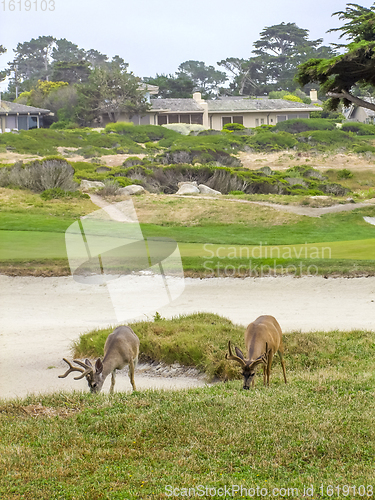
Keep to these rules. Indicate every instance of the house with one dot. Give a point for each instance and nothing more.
(214, 114)
(356, 113)
(14, 116)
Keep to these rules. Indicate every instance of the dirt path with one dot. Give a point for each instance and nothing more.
(41, 317)
(295, 209)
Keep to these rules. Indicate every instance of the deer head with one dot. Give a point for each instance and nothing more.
(248, 366)
(95, 378)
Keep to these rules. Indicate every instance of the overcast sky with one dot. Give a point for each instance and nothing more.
(155, 36)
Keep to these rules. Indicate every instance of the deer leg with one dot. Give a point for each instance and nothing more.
(131, 373)
(283, 365)
(113, 380)
(269, 364)
(264, 375)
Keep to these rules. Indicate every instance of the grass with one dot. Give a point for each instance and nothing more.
(317, 429)
(212, 235)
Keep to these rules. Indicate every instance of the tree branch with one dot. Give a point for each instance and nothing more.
(355, 100)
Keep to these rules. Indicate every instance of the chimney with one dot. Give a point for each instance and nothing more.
(197, 96)
(313, 95)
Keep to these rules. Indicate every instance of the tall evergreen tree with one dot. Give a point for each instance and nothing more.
(342, 77)
(109, 92)
(206, 78)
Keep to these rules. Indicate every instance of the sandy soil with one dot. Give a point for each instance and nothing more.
(276, 161)
(284, 160)
(41, 317)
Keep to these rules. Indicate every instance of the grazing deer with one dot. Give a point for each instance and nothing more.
(263, 338)
(121, 348)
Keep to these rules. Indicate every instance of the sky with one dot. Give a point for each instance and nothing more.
(156, 36)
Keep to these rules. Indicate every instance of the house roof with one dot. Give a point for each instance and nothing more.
(232, 105)
(12, 108)
(348, 112)
(253, 105)
(176, 106)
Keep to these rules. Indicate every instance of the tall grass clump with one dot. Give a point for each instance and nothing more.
(40, 175)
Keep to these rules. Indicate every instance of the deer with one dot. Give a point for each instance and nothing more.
(263, 338)
(121, 348)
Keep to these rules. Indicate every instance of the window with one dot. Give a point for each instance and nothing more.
(238, 119)
(162, 119)
(184, 118)
(232, 119)
(172, 118)
(197, 119)
(257, 122)
(33, 122)
(22, 122)
(262, 121)
(281, 118)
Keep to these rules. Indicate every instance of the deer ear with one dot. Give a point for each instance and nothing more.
(239, 353)
(98, 366)
(88, 362)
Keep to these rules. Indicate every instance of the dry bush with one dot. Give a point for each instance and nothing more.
(40, 175)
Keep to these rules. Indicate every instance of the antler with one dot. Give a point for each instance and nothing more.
(233, 357)
(87, 369)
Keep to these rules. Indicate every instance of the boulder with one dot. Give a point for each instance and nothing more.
(207, 190)
(188, 189)
(132, 189)
(85, 184)
(192, 183)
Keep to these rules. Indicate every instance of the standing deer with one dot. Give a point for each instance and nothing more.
(121, 348)
(263, 338)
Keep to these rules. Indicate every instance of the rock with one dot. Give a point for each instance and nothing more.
(132, 189)
(192, 183)
(350, 200)
(266, 170)
(207, 190)
(188, 189)
(85, 184)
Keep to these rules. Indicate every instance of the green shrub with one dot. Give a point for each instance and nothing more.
(292, 98)
(321, 139)
(364, 148)
(302, 125)
(141, 133)
(271, 141)
(345, 173)
(63, 124)
(236, 193)
(233, 126)
(359, 128)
